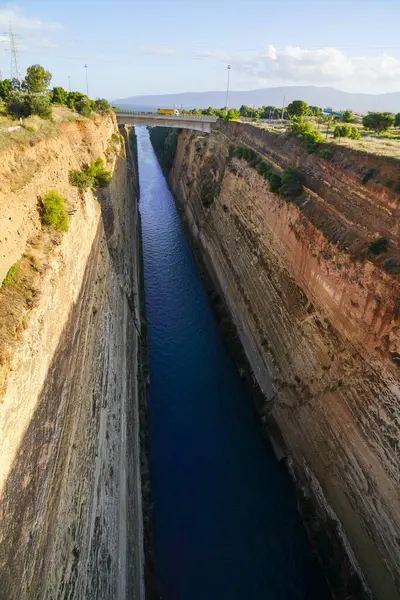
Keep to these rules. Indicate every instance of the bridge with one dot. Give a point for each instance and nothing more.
(128, 117)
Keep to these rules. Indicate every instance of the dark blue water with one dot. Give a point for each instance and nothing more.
(225, 519)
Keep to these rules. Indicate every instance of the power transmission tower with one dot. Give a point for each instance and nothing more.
(14, 66)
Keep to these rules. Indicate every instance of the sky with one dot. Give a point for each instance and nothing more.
(135, 47)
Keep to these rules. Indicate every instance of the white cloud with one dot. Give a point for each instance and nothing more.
(158, 50)
(324, 65)
(14, 15)
(214, 54)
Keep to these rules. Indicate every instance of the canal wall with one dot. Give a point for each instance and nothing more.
(318, 319)
(70, 380)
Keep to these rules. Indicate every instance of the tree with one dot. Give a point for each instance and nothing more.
(208, 111)
(23, 105)
(37, 80)
(397, 120)
(269, 112)
(233, 114)
(59, 95)
(378, 121)
(347, 116)
(5, 89)
(83, 106)
(73, 97)
(297, 108)
(101, 106)
(315, 111)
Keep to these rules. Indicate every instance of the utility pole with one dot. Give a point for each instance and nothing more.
(14, 66)
(227, 89)
(283, 106)
(87, 85)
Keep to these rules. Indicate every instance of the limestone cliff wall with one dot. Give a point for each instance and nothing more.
(70, 485)
(318, 322)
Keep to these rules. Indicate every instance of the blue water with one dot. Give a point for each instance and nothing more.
(225, 519)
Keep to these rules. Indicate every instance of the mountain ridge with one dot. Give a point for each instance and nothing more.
(320, 96)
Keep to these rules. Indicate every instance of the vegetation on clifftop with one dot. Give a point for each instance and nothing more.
(31, 96)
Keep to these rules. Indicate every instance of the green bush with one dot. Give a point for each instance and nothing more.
(309, 136)
(233, 114)
(24, 105)
(397, 186)
(275, 182)
(370, 172)
(83, 107)
(292, 183)
(392, 266)
(98, 171)
(11, 273)
(116, 138)
(53, 212)
(325, 153)
(297, 108)
(346, 131)
(59, 95)
(347, 116)
(379, 245)
(378, 121)
(80, 179)
(93, 174)
(101, 106)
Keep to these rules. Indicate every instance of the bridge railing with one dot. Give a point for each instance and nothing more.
(153, 115)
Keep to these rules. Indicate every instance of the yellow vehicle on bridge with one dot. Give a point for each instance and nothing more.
(168, 111)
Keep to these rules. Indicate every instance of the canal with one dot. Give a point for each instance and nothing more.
(225, 520)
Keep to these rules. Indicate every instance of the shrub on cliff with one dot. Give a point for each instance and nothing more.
(53, 211)
(232, 115)
(275, 182)
(59, 95)
(99, 173)
(392, 266)
(379, 245)
(292, 183)
(83, 107)
(80, 179)
(310, 137)
(93, 174)
(101, 106)
(397, 120)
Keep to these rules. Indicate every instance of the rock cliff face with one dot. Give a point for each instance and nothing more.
(319, 323)
(70, 485)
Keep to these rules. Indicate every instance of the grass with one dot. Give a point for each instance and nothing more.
(12, 271)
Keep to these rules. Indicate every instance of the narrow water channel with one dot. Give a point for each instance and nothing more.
(225, 520)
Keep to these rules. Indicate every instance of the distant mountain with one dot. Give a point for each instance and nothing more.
(319, 96)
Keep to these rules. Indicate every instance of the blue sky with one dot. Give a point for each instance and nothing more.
(136, 47)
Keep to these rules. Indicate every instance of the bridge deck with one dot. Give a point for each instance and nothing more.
(198, 123)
